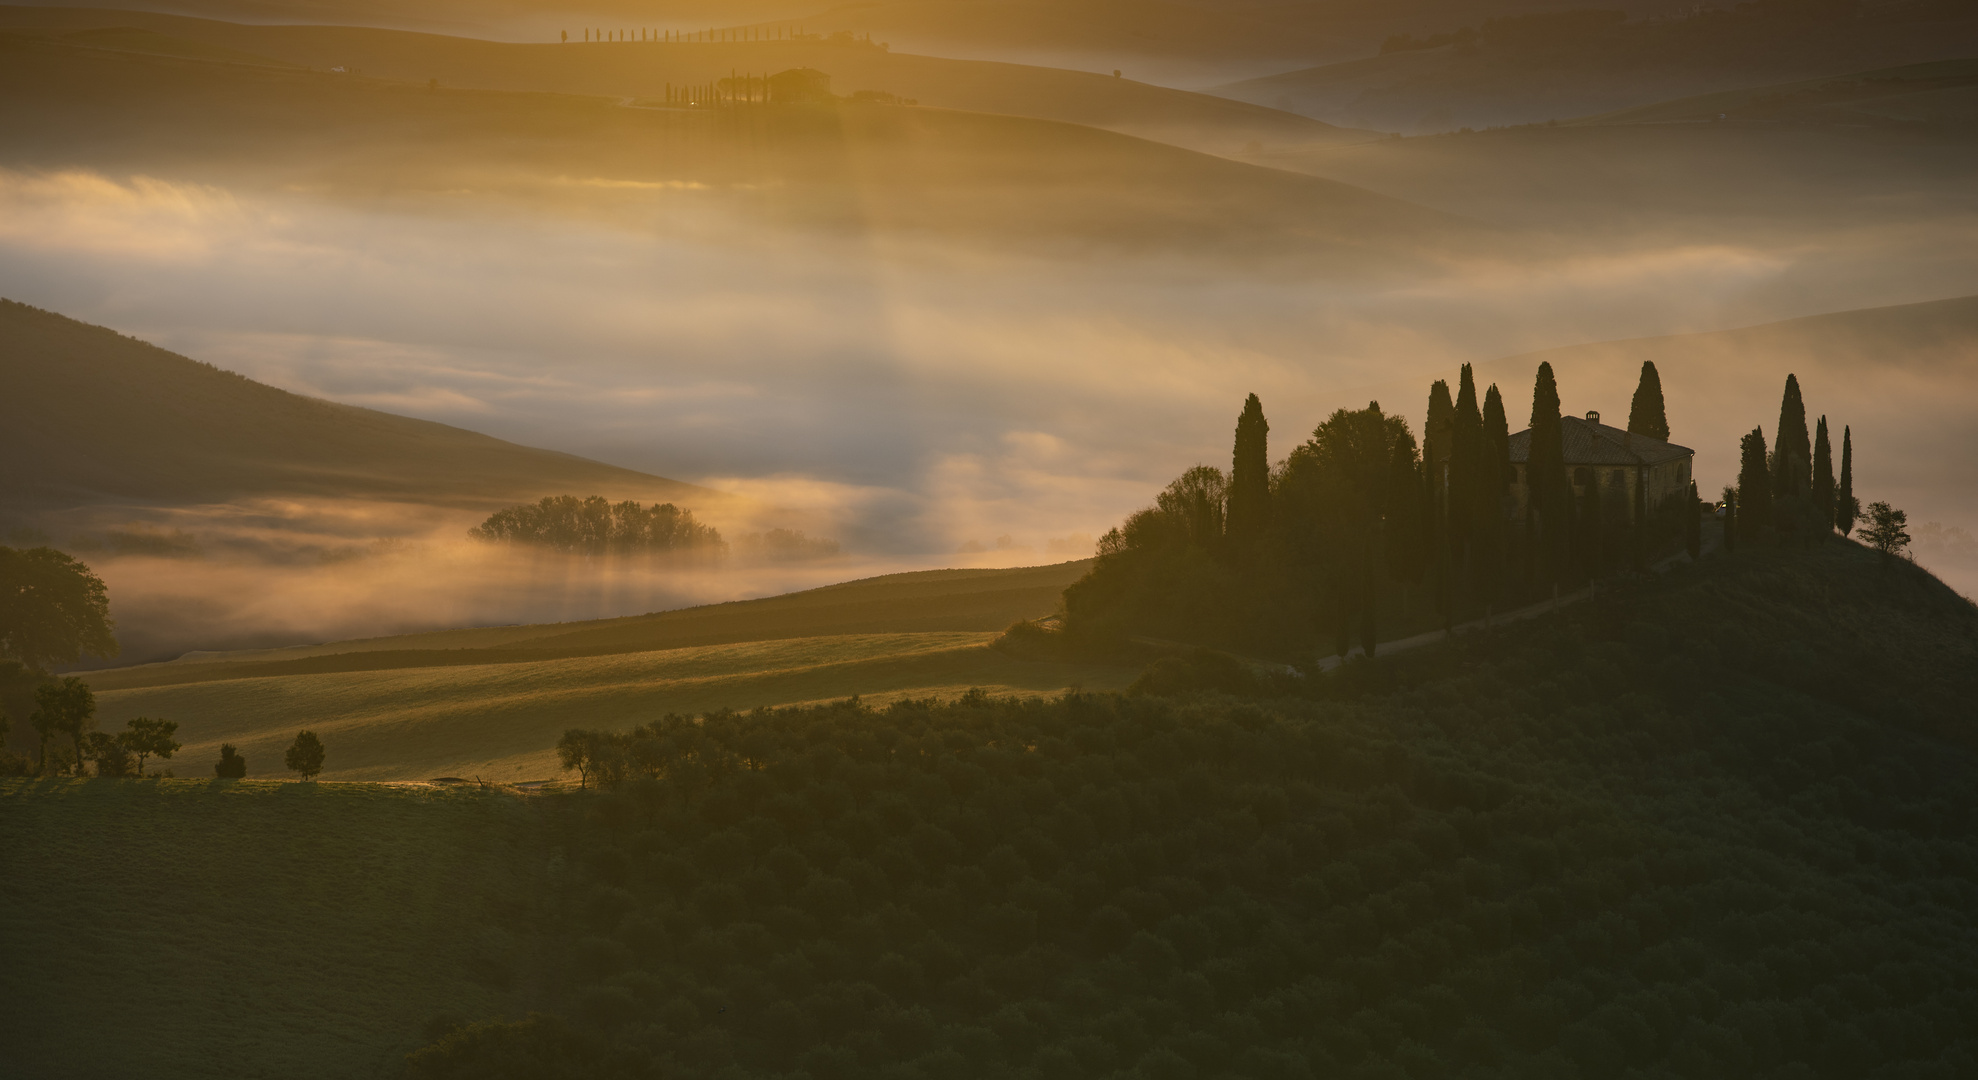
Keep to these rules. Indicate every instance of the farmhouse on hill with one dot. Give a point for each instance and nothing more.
(799, 84)
(1632, 470)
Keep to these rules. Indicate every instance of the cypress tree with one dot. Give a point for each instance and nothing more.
(1436, 434)
(1754, 486)
(1730, 520)
(1792, 451)
(1489, 530)
(1468, 468)
(1846, 509)
(1249, 513)
(1404, 526)
(1549, 513)
(1823, 478)
(1646, 415)
(1693, 525)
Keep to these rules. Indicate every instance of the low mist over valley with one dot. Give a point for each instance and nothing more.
(969, 538)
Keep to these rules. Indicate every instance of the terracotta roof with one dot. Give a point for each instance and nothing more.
(1587, 442)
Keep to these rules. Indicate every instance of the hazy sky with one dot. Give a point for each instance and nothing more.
(917, 399)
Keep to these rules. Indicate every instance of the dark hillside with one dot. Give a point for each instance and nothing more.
(1717, 823)
(92, 415)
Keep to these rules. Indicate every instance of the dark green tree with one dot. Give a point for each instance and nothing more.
(146, 738)
(1469, 469)
(1847, 510)
(1347, 467)
(1823, 479)
(305, 755)
(1646, 415)
(1754, 487)
(64, 709)
(1886, 529)
(1405, 520)
(1490, 537)
(1792, 449)
(1549, 506)
(231, 765)
(1693, 524)
(1249, 512)
(108, 752)
(1436, 434)
(1730, 519)
(52, 609)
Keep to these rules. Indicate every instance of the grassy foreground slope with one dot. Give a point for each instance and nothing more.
(192, 928)
(491, 703)
(1717, 823)
(94, 415)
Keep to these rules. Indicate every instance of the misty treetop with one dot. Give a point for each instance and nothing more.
(596, 525)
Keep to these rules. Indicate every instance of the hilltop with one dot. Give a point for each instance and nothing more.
(996, 180)
(94, 416)
(1552, 67)
(644, 70)
(1688, 826)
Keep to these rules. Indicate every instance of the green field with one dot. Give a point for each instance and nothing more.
(491, 703)
(237, 928)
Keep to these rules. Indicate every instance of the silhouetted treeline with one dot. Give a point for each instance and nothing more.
(1361, 534)
(1707, 828)
(1787, 493)
(596, 525)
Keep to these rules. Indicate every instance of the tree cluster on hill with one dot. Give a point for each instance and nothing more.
(1688, 829)
(1787, 494)
(597, 525)
(1360, 528)
(53, 610)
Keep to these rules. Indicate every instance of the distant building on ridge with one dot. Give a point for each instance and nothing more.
(1647, 470)
(799, 84)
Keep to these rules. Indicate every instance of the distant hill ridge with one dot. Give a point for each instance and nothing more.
(94, 416)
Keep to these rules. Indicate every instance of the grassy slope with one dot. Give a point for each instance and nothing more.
(250, 929)
(493, 702)
(1698, 802)
(1945, 92)
(91, 414)
(644, 70)
(1491, 84)
(991, 179)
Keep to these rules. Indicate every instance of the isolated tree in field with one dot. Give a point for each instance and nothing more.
(1847, 510)
(1249, 513)
(52, 609)
(231, 765)
(1754, 487)
(1887, 529)
(577, 750)
(305, 755)
(145, 738)
(64, 709)
(1646, 415)
(1823, 479)
(1792, 450)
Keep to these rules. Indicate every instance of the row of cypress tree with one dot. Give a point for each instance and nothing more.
(1361, 528)
(1789, 494)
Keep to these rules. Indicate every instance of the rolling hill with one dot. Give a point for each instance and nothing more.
(492, 702)
(645, 70)
(1688, 827)
(909, 171)
(1538, 71)
(93, 416)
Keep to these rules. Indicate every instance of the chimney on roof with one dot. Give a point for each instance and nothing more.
(1593, 416)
